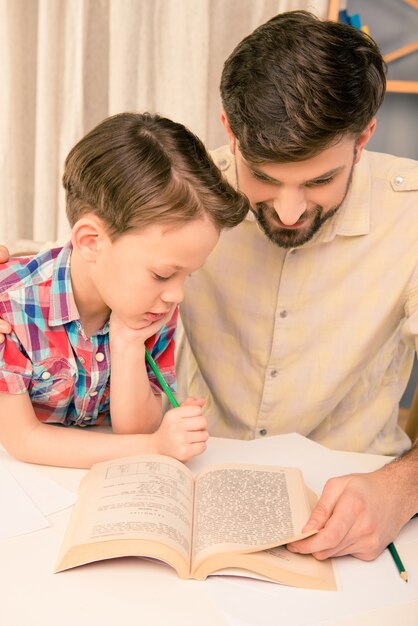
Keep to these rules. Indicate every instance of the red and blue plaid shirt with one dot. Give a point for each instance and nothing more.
(48, 355)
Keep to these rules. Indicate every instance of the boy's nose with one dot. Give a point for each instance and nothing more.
(174, 295)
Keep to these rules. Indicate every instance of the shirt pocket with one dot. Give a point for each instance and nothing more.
(53, 382)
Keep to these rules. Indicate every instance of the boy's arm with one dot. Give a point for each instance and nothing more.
(182, 435)
(134, 408)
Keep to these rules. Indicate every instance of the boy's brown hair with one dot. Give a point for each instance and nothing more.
(297, 84)
(134, 170)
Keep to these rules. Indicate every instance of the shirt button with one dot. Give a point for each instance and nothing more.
(223, 164)
(45, 375)
(81, 359)
(93, 393)
(399, 180)
(274, 373)
(100, 357)
(283, 313)
(263, 432)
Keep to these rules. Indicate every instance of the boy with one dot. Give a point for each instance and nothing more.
(146, 205)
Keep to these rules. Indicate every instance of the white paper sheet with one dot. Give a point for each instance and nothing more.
(18, 513)
(47, 495)
(364, 585)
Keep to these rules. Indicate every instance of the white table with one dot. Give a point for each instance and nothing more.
(151, 594)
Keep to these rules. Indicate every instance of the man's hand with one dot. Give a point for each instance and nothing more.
(4, 254)
(5, 327)
(360, 514)
(183, 432)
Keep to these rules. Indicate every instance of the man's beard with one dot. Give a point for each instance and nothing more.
(287, 237)
(292, 238)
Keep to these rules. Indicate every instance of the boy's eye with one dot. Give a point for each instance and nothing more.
(162, 278)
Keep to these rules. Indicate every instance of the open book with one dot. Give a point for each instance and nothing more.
(230, 519)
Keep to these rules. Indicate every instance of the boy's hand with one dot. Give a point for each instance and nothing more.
(193, 402)
(183, 433)
(123, 335)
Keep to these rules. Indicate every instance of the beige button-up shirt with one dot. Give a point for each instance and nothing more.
(320, 339)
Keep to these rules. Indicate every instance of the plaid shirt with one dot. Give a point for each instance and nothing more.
(48, 355)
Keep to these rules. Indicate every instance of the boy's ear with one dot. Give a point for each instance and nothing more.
(231, 136)
(364, 138)
(88, 237)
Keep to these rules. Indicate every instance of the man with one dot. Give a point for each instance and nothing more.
(305, 317)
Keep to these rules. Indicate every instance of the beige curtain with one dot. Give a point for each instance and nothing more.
(67, 64)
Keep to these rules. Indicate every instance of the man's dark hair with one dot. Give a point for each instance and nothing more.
(297, 84)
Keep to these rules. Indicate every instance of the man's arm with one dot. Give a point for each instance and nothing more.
(360, 514)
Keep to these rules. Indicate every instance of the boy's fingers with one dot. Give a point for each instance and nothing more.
(193, 402)
(194, 424)
(198, 436)
(184, 412)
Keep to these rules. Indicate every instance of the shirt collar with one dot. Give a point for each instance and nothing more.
(62, 307)
(353, 217)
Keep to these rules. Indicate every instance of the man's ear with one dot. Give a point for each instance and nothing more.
(88, 237)
(364, 138)
(231, 136)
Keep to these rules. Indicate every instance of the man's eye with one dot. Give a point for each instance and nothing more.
(321, 181)
(260, 177)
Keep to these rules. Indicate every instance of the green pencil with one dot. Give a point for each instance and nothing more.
(160, 379)
(395, 556)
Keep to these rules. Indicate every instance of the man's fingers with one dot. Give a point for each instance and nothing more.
(4, 254)
(5, 329)
(324, 508)
(332, 517)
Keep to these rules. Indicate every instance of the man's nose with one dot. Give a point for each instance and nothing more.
(290, 205)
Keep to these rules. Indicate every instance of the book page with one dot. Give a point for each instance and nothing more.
(247, 508)
(284, 567)
(137, 498)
